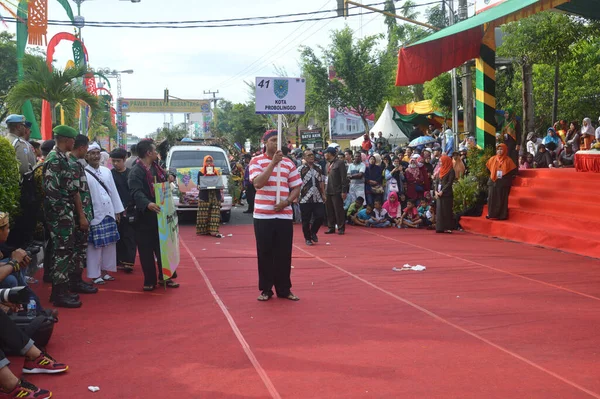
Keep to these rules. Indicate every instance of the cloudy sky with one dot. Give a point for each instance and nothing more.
(190, 61)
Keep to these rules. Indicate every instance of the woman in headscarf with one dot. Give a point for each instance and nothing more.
(552, 141)
(444, 196)
(502, 172)
(542, 159)
(587, 133)
(511, 133)
(373, 182)
(392, 206)
(209, 202)
(415, 179)
(573, 137)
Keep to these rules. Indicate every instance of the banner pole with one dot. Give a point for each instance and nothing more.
(279, 126)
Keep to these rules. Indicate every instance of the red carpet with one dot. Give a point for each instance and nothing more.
(487, 319)
(553, 208)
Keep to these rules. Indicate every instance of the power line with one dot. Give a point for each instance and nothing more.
(210, 23)
(268, 52)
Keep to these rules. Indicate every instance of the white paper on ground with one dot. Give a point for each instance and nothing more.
(416, 268)
(93, 389)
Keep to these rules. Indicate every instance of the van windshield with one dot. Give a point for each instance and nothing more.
(194, 159)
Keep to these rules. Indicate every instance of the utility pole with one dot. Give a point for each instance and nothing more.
(214, 101)
(467, 81)
(454, 86)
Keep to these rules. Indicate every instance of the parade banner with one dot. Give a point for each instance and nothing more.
(168, 229)
(149, 105)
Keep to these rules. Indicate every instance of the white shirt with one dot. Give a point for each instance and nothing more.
(105, 204)
(598, 134)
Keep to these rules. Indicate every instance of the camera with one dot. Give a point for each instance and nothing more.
(33, 250)
(14, 295)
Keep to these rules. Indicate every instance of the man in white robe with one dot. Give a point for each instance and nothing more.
(104, 234)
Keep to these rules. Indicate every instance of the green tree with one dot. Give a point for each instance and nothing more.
(362, 75)
(239, 122)
(9, 179)
(58, 87)
(545, 38)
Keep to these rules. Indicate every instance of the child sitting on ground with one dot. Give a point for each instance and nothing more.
(353, 209)
(425, 212)
(360, 219)
(379, 218)
(410, 216)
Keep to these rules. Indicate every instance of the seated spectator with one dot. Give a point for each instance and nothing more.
(36, 362)
(410, 216)
(573, 137)
(403, 201)
(392, 207)
(379, 217)
(354, 208)
(425, 214)
(532, 143)
(543, 159)
(12, 267)
(567, 158)
(552, 142)
(526, 161)
(360, 219)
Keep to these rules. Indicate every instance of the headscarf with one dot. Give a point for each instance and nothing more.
(589, 129)
(377, 159)
(446, 165)
(551, 139)
(500, 162)
(392, 209)
(542, 159)
(203, 169)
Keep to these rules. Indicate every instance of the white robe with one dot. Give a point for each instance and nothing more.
(105, 204)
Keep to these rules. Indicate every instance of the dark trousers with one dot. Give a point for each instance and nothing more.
(250, 195)
(126, 244)
(314, 212)
(48, 254)
(335, 211)
(148, 245)
(274, 249)
(11, 337)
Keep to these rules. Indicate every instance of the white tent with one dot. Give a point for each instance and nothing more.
(386, 125)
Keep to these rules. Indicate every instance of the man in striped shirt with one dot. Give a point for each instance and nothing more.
(273, 226)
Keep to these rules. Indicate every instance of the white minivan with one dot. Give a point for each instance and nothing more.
(185, 160)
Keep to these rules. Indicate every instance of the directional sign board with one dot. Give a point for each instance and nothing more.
(280, 95)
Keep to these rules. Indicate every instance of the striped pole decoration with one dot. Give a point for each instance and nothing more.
(485, 92)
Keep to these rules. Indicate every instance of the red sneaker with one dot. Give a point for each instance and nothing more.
(44, 364)
(26, 390)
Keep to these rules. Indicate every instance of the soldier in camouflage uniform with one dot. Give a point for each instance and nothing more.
(77, 155)
(62, 208)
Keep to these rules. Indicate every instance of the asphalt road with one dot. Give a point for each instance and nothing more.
(238, 217)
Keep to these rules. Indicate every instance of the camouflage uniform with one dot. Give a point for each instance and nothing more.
(60, 184)
(81, 237)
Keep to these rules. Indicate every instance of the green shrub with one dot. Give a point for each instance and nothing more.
(466, 190)
(476, 160)
(9, 179)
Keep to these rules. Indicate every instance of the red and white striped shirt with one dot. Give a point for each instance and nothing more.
(266, 197)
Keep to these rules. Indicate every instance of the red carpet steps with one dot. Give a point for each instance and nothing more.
(555, 208)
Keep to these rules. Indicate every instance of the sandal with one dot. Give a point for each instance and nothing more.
(264, 296)
(128, 269)
(292, 297)
(108, 277)
(149, 287)
(218, 235)
(169, 283)
(99, 281)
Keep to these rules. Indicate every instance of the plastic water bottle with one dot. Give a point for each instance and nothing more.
(31, 309)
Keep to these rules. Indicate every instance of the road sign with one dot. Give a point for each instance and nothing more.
(149, 105)
(311, 137)
(280, 95)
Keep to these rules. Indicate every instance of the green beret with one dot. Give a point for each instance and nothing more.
(65, 131)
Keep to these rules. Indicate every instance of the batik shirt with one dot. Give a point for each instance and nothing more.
(312, 178)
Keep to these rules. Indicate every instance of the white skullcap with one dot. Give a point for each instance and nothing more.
(93, 146)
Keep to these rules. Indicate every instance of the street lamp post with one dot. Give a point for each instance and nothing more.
(121, 119)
